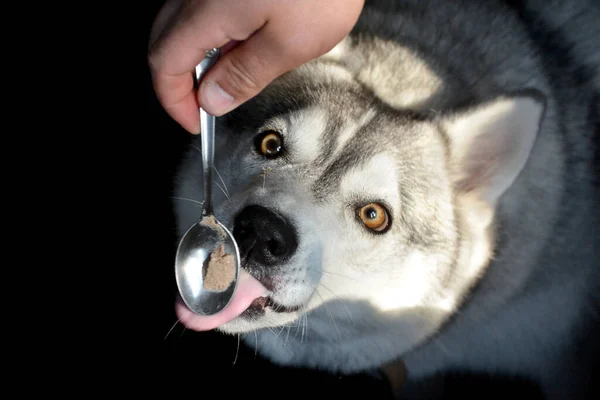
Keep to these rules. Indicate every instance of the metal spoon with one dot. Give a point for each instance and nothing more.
(203, 239)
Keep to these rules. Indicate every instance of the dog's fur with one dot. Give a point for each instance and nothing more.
(476, 123)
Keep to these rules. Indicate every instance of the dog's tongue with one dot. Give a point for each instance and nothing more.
(247, 291)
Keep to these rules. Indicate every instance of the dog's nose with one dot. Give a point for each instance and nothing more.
(263, 236)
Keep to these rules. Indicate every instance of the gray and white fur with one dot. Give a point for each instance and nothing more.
(475, 124)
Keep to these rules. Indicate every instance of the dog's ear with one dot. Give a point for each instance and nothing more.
(490, 144)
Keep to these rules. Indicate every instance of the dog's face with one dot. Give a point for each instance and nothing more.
(344, 209)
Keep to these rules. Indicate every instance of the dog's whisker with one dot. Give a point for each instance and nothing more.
(304, 328)
(222, 181)
(338, 274)
(330, 273)
(256, 347)
(298, 326)
(170, 330)
(326, 309)
(264, 173)
(281, 341)
(287, 336)
(237, 350)
(200, 203)
(223, 190)
(439, 343)
(345, 306)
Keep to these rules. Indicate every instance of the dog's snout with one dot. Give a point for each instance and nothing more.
(263, 236)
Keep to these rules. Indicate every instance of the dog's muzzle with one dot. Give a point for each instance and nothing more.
(265, 240)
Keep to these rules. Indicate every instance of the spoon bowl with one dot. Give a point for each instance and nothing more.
(193, 264)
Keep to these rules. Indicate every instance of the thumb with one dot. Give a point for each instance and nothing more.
(242, 72)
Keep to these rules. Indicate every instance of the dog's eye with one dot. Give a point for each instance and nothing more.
(375, 217)
(270, 144)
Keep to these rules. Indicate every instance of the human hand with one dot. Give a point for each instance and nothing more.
(259, 39)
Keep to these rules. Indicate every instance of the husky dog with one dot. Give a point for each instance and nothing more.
(425, 191)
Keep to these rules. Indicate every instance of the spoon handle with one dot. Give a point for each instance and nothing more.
(207, 135)
(207, 126)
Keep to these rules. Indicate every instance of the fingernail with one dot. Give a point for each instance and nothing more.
(215, 98)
